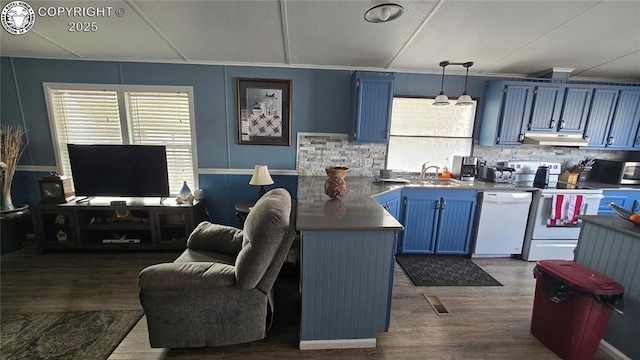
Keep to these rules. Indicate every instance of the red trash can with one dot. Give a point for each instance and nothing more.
(571, 307)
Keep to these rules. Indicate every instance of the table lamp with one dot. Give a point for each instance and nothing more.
(261, 177)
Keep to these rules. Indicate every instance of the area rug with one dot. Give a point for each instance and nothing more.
(65, 335)
(438, 270)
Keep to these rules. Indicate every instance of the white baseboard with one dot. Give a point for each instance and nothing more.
(613, 352)
(337, 344)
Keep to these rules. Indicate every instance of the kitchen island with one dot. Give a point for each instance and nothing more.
(611, 246)
(347, 261)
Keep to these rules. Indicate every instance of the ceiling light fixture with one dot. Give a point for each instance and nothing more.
(465, 99)
(383, 11)
(442, 98)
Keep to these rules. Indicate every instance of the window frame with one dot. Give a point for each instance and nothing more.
(473, 123)
(125, 124)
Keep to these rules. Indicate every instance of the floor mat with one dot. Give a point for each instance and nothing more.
(439, 270)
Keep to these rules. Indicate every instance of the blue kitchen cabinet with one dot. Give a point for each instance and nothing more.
(391, 203)
(371, 103)
(558, 108)
(506, 113)
(624, 128)
(629, 200)
(437, 221)
(600, 117)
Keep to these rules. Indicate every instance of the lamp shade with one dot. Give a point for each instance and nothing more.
(464, 100)
(261, 176)
(383, 11)
(441, 99)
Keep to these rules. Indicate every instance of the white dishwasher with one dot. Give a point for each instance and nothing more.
(502, 223)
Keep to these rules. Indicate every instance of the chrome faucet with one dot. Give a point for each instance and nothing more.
(423, 172)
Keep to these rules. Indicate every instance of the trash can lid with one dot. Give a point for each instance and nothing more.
(580, 277)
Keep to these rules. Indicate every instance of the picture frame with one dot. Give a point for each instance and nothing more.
(264, 111)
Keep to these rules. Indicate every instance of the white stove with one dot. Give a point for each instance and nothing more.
(542, 241)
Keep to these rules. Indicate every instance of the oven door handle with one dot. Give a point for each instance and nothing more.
(590, 196)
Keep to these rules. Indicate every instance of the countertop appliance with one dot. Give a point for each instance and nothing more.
(497, 174)
(541, 179)
(526, 171)
(502, 223)
(615, 172)
(464, 168)
(544, 242)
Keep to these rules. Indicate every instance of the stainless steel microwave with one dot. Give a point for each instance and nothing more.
(615, 172)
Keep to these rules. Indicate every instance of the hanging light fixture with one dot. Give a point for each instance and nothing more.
(442, 99)
(465, 99)
(383, 11)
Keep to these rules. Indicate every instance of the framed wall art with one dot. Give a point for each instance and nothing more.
(264, 112)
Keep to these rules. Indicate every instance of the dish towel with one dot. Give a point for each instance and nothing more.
(565, 210)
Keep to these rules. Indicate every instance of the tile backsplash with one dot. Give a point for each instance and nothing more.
(317, 151)
(565, 155)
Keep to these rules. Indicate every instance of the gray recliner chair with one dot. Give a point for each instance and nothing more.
(218, 291)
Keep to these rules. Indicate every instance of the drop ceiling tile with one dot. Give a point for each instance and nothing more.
(221, 31)
(335, 32)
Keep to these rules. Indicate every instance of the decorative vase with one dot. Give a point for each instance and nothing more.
(335, 187)
(185, 191)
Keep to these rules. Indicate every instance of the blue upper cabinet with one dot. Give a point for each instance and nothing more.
(600, 116)
(624, 128)
(560, 108)
(546, 108)
(371, 103)
(506, 113)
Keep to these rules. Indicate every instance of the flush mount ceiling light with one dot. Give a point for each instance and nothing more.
(442, 98)
(383, 11)
(465, 99)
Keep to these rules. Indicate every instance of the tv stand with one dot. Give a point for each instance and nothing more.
(141, 224)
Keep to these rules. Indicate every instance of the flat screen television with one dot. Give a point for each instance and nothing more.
(119, 170)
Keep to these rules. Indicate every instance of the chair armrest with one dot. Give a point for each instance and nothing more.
(189, 275)
(216, 238)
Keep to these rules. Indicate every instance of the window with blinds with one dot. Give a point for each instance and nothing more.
(87, 116)
(421, 132)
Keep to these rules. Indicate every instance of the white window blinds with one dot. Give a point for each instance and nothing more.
(84, 117)
(121, 114)
(164, 119)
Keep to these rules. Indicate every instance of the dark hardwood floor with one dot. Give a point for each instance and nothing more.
(486, 322)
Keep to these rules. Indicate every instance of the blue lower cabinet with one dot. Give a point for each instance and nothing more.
(629, 200)
(437, 221)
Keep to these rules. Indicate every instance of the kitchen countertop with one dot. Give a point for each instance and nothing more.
(613, 222)
(358, 210)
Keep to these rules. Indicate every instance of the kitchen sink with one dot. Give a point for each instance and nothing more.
(433, 183)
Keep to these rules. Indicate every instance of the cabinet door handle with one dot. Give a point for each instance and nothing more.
(498, 140)
(386, 207)
(355, 135)
(561, 125)
(438, 204)
(529, 126)
(386, 134)
(611, 140)
(553, 124)
(586, 137)
(638, 140)
(521, 137)
(444, 203)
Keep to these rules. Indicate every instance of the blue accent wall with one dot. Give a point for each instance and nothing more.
(320, 103)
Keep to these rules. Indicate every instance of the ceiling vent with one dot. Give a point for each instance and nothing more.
(555, 73)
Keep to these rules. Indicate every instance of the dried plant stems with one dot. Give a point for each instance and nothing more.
(11, 147)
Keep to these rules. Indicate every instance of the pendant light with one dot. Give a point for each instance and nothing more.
(465, 99)
(442, 98)
(383, 11)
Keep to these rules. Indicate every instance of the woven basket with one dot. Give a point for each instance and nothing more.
(337, 171)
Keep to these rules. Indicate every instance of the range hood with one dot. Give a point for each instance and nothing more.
(555, 139)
